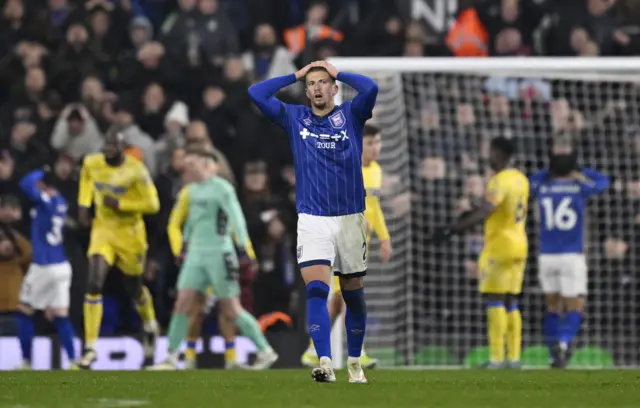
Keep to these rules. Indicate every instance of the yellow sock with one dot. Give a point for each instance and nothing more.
(230, 351)
(190, 353)
(144, 306)
(497, 330)
(311, 345)
(92, 319)
(514, 334)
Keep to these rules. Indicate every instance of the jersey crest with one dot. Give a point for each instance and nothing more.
(337, 120)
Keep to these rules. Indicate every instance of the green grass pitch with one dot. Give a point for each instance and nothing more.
(294, 388)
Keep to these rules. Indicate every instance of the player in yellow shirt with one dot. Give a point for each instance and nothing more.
(502, 261)
(372, 176)
(121, 191)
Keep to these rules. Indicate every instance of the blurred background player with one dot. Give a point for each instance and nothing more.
(48, 281)
(122, 191)
(502, 261)
(326, 141)
(372, 176)
(208, 212)
(562, 193)
(205, 304)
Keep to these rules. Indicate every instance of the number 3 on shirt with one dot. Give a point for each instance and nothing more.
(54, 237)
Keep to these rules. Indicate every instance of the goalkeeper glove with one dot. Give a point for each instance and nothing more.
(440, 235)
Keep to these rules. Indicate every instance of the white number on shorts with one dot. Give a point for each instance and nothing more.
(562, 218)
(54, 237)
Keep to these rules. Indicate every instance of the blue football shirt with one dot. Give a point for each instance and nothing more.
(327, 150)
(47, 224)
(562, 206)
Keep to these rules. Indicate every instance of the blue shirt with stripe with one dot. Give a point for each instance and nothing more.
(47, 221)
(327, 150)
(561, 207)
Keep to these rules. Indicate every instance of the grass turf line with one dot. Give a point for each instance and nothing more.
(294, 388)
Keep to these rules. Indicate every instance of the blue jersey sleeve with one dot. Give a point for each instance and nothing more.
(29, 185)
(596, 183)
(263, 95)
(362, 105)
(535, 180)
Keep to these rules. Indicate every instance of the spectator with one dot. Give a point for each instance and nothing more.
(77, 58)
(27, 148)
(14, 26)
(268, 59)
(314, 29)
(15, 256)
(140, 32)
(150, 64)
(133, 135)
(175, 123)
(581, 28)
(76, 132)
(215, 32)
(155, 107)
(93, 98)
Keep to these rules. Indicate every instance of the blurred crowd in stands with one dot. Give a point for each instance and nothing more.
(167, 72)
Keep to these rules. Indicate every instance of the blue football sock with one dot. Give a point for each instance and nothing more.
(66, 333)
(550, 326)
(355, 320)
(318, 317)
(569, 327)
(26, 332)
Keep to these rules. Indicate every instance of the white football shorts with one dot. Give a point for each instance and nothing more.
(339, 242)
(47, 286)
(565, 274)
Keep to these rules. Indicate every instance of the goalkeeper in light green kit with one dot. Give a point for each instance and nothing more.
(208, 211)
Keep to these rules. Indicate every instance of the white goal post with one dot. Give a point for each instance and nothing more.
(437, 116)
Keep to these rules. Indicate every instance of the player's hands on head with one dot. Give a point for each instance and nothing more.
(302, 72)
(322, 64)
(578, 176)
(111, 202)
(440, 235)
(330, 68)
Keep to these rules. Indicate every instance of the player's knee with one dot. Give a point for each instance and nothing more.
(317, 289)
(351, 283)
(133, 286)
(184, 303)
(57, 312)
(312, 273)
(25, 310)
(230, 308)
(94, 286)
(574, 304)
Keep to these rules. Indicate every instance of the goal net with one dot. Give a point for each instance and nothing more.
(437, 118)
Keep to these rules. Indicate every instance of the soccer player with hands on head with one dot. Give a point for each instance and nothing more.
(561, 193)
(372, 175)
(502, 261)
(121, 189)
(326, 140)
(48, 282)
